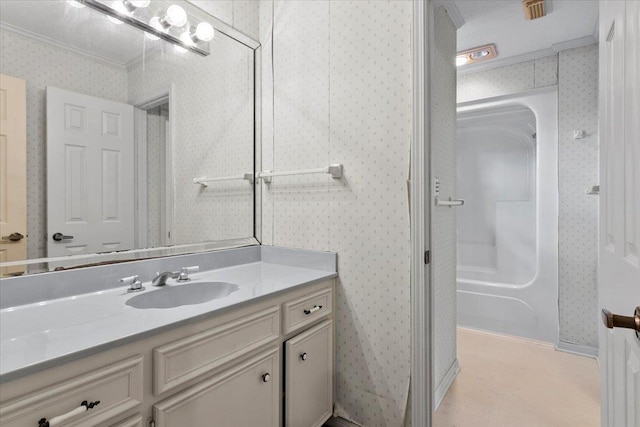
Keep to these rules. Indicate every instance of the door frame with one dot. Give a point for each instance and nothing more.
(160, 96)
(420, 196)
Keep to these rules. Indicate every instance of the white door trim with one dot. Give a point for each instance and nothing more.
(140, 141)
(152, 99)
(421, 377)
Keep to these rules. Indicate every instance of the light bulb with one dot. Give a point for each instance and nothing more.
(74, 3)
(140, 3)
(461, 60)
(118, 7)
(186, 39)
(176, 16)
(479, 54)
(156, 23)
(204, 31)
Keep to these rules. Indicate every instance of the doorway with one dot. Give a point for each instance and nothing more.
(514, 237)
(154, 175)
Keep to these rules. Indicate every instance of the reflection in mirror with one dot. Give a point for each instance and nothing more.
(116, 123)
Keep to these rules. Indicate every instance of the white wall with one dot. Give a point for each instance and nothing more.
(337, 89)
(575, 71)
(23, 57)
(578, 109)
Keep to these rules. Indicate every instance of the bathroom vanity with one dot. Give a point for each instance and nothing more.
(260, 353)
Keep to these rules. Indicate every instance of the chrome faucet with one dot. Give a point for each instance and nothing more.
(161, 278)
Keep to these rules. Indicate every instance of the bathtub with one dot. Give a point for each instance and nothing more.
(507, 272)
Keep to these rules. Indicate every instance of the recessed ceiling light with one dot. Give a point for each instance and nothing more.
(477, 54)
(461, 60)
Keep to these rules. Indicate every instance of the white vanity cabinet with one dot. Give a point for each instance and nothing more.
(225, 369)
(245, 395)
(309, 377)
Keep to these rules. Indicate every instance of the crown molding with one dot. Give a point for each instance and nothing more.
(572, 44)
(454, 14)
(60, 45)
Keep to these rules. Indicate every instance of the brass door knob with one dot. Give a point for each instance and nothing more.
(611, 320)
(13, 237)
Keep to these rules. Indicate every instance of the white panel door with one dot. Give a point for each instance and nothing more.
(619, 239)
(13, 172)
(90, 174)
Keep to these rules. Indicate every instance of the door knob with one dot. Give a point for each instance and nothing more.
(59, 237)
(14, 237)
(611, 320)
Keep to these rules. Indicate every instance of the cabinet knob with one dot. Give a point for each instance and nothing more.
(303, 356)
(266, 377)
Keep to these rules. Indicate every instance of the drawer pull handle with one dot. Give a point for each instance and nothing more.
(313, 310)
(62, 419)
(303, 356)
(266, 378)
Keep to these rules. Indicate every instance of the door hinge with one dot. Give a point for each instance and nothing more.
(427, 257)
(151, 422)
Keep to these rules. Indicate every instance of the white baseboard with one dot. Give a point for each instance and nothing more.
(580, 350)
(443, 387)
(340, 422)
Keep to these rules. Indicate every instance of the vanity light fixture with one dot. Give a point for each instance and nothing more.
(175, 17)
(132, 5)
(204, 32)
(119, 7)
(476, 54)
(74, 3)
(161, 19)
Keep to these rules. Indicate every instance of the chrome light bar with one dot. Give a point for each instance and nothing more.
(180, 34)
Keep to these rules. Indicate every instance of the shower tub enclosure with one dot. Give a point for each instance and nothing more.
(507, 157)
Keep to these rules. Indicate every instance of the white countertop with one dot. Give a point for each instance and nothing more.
(41, 335)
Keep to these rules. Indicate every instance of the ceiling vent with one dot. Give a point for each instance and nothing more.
(533, 9)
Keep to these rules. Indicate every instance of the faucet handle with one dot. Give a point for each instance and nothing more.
(133, 282)
(184, 273)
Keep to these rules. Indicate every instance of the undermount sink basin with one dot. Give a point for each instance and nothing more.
(188, 294)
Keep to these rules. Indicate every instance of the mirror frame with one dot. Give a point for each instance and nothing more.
(41, 265)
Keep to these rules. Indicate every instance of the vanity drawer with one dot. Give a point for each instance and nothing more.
(187, 359)
(303, 311)
(135, 421)
(118, 387)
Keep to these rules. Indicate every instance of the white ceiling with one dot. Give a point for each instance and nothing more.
(502, 22)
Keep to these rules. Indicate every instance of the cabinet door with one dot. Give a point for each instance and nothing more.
(309, 377)
(244, 395)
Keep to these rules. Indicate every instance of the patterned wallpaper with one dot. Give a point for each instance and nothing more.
(509, 79)
(23, 57)
(575, 71)
(443, 219)
(213, 135)
(578, 109)
(337, 89)
(240, 14)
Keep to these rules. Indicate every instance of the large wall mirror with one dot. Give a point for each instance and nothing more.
(130, 129)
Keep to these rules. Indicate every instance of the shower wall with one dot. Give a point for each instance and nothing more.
(497, 180)
(575, 72)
